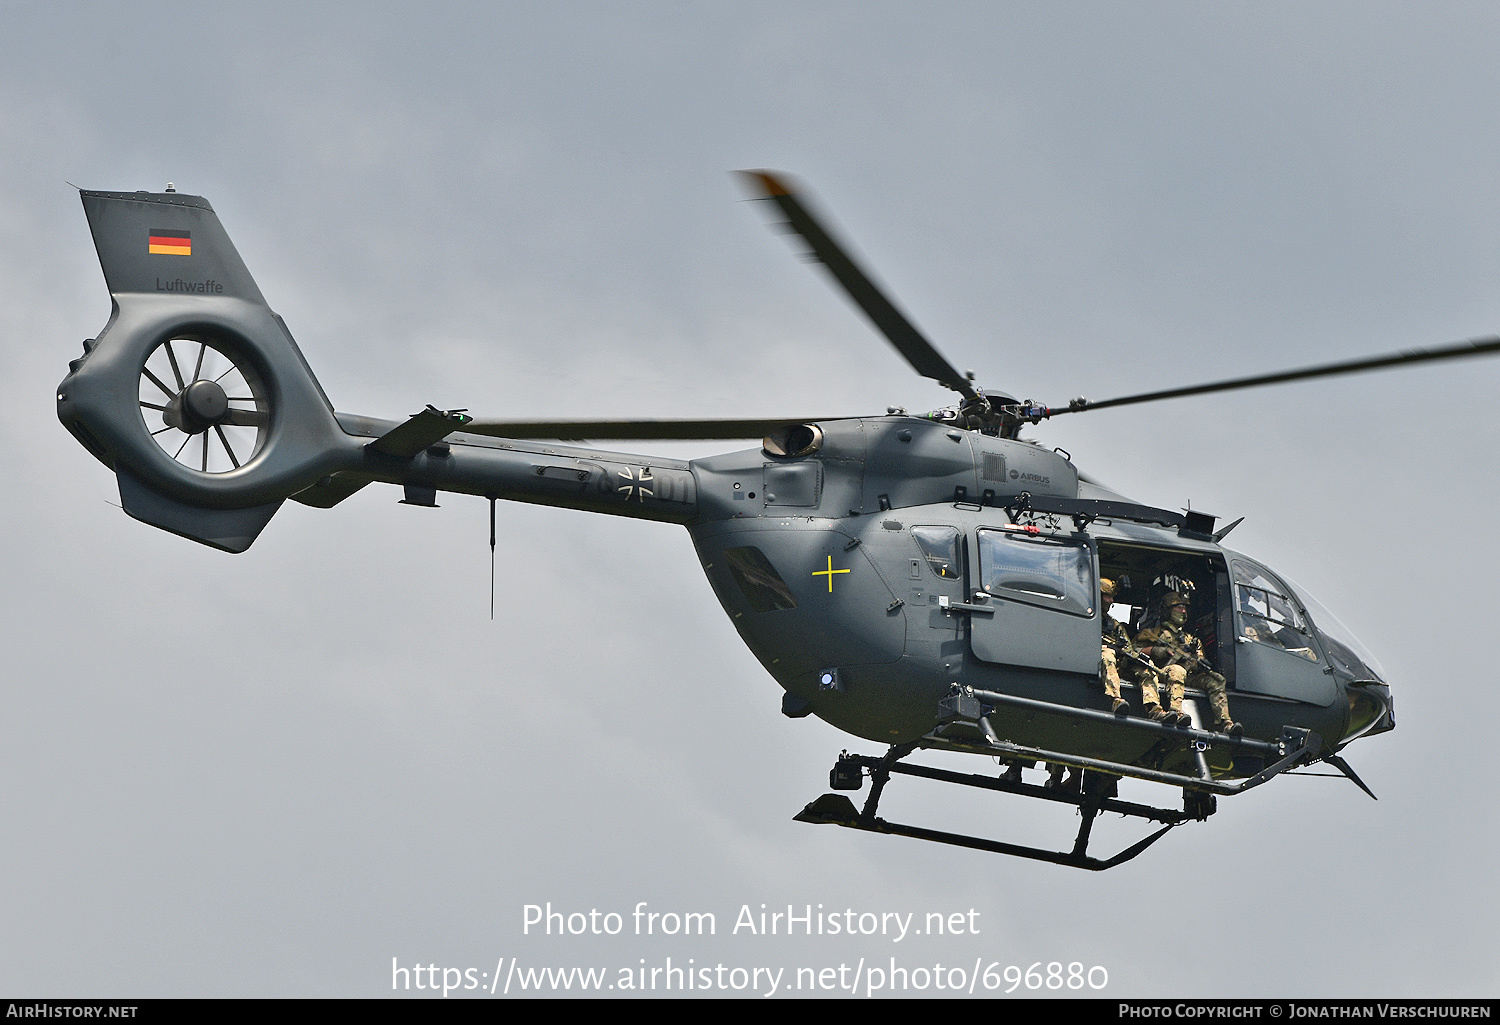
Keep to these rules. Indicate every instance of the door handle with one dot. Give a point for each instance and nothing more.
(950, 606)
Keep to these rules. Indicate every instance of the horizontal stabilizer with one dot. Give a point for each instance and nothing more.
(423, 429)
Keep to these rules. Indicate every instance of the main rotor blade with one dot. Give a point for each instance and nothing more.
(634, 430)
(890, 321)
(1406, 357)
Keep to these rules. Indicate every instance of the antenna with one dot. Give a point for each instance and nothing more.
(492, 556)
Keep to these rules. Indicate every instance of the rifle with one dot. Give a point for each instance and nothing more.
(1184, 656)
(1132, 653)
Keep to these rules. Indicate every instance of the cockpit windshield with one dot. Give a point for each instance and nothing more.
(1343, 647)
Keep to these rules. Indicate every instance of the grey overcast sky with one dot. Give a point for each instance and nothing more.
(270, 774)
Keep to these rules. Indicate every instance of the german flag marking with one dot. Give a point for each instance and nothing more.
(166, 242)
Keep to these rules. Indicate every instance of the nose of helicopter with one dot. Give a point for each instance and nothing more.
(1371, 710)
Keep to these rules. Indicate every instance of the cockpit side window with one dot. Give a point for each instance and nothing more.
(1267, 614)
(943, 550)
(1050, 572)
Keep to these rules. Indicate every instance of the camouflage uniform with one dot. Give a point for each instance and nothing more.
(1172, 643)
(1115, 641)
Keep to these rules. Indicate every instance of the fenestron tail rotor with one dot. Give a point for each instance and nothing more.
(206, 411)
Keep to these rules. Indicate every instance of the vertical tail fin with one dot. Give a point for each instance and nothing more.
(194, 393)
(165, 242)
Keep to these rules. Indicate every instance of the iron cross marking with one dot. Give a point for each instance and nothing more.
(633, 486)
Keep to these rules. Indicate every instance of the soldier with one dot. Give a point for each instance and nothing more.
(1120, 651)
(1116, 644)
(1169, 645)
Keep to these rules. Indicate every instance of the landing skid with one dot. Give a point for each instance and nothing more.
(964, 727)
(838, 810)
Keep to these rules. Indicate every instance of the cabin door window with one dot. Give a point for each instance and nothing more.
(1044, 594)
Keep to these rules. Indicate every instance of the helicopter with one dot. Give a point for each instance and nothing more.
(927, 582)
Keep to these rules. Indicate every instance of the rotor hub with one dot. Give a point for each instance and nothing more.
(203, 404)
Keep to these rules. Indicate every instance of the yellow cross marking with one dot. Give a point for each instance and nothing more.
(829, 572)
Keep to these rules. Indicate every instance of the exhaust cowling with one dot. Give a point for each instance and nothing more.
(184, 309)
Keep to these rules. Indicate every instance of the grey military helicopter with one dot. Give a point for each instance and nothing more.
(927, 582)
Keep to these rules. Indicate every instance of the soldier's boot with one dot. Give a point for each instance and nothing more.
(1012, 774)
(1154, 712)
(1120, 707)
(1054, 776)
(1230, 727)
(1223, 723)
